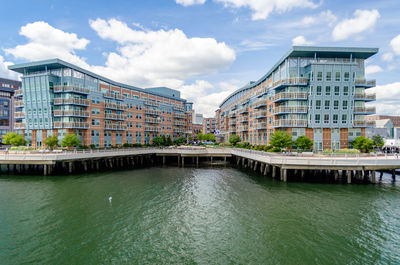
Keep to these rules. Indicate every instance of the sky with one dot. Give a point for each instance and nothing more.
(204, 48)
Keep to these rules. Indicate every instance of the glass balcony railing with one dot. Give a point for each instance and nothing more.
(71, 101)
(19, 125)
(365, 96)
(365, 110)
(289, 96)
(75, 113)
(116, 106)
(365, 82)
(290, 123)
(287, 109)
(117, 127)
(72, 125)
(364, 123)
(114, 116)
(71, 89)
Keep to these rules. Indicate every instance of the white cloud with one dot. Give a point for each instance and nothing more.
(4, 72)
(388, 97)
(388, 57)
(190, 2)
(372, 69)
(47, 42)
(300, 40)
(395, 44)
(205, 97)
(326, 17)
(363, 20)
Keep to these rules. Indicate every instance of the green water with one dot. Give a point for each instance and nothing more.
(195, 216)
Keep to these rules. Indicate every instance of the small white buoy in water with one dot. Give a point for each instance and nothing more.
(110, 198)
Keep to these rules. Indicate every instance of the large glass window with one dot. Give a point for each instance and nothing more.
(346, 90)
(327, 104)
(346, 76)
(326, 118)
(337, 89)
(337, 77)
(328, 76)
(319, 90)
(318, 104)
(344, 104)
(328, 91)
(319, 76)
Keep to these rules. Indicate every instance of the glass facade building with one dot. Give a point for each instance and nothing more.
(58, 98)
(7, 90)
(319, 92)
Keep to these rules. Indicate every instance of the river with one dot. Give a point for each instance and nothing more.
(195, 216)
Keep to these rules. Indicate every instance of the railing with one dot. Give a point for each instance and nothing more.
(289, 96)
(260, 126)
(290, 123)
(18, 92)
(19, 103)
(243, 111)
(109, 105)
(242, 128)
(260, 114)
(71, 125)
(78, 113)
(291, 81)
(19, 125)
(365, 109)
(260, 103)
(179, 116)
(242, 120)
(364, 123)
(152, 112)
(176, 130)
(113, 116)
(365, 96)
(364, 82)
(179, 123)
(152, 120)
(119, 127)
(151, 103)
(80, 90)
(178, 108)
(19, 114)
(287, 109)
(72, 101)
(232, 116)
(113, 96)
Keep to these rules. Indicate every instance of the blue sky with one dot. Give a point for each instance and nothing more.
(204, 48)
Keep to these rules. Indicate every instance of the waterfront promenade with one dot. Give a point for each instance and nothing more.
(358, 167)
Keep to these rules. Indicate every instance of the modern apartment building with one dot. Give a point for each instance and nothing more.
(209, 125)
(319, 92)
(7, 89)
(58, 98)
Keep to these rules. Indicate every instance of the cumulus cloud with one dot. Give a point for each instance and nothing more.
(363, 20)
(205, 96)
(190, 2)
(301, 40)
(4, 72)
(388, 57)
(395, 44)
(325, 17)
(45, 41)
(388, 97)
(372, 69)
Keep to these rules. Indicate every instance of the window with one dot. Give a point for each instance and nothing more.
(95, 111)
(327, 103)
(95, 122)
(344, 104)
(328, 91)
(319, 76)
(319, 90)
(346, 76)
(346, 90)
(328, 76)
(318, 104)
(337, 91)
(337, 77)
(326, 118)
(344, 118)
(138, 116)
(129, 115)
(317, 118)
(335, 118)
(336, 104)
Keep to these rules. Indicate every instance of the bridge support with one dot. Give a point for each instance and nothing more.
(348, 173)
(273, 172)
(373, 176)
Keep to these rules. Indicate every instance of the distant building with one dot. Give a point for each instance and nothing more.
(197, 128)
(7, 89)
(393, 132)
(209, 125)
(383, 128)
(198, 118)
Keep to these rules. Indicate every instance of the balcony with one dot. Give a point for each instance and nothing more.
(179, 123)
(179, 116)
(232, 116)
(19, 114)
(116, 106)
(113, 96)
(151, 103)
(242, 128)
(115, 127)
(260, 103)
(260, 126)
(18, 93)
(365, 83)
(19, 103)
(152, 120)
(232, 123)
(364, 110)
(113, 116)
(243, 120)
(71, 101)
(289, 96)
(19, 125)
(178, 130)
(178, 108)
(290, 123)
(71, 89)
(152, 129)
(365, 96)
(243, 111)
(260, 114)
(287, 109)
(71, 113)
(152, 112)
(291, 81)
(364, 123)
(72, 125)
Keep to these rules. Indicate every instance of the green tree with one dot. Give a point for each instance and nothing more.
(234, 139)
(210, 137)
(14, 139)
(51, 142)
(303, 142)
(363, 144)
(70, 140)
(378, 141)
(158, 140)
(281, 139)
(200, 137)
(168, 142)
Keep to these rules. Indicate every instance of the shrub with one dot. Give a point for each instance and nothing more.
(303, 142)
(70, 140)
(281, 139)
(234, 139)
(51, 142)
(363, 144)
(14, 139)
(92, 146)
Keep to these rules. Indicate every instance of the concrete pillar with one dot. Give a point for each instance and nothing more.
(197, 161)
(163, 160)
(183, 161)
(70, 167)
(284, 177)
(97, 165)
(85, 166)
(179, 161)
(381, 175)
(266, 169)
(273, 172)
(302, 174)
(237, 160)
(394, 174)
(242, 161)
(373, 176)
(44, 170)
(255, 165)
(348, 177)
(211, 159)
(262, 165)
(336, 175)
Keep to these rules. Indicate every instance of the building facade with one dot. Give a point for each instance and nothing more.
(7, 90)
(209, 125)
(58, 98)
(393, 133)
(319, 92)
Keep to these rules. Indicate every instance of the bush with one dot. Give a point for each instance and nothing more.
(92, 146)
(244, 145)
(363, 144)
(281, 139)
(303, 142)
(14, 139)
(70, 140)
(275, 150)
(267, 147)
(21, 148)
(234, 139)
(136, 145)
(51, 142)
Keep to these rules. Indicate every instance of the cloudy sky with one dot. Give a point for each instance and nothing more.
(204, 48)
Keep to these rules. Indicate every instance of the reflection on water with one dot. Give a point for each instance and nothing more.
(189, 216)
